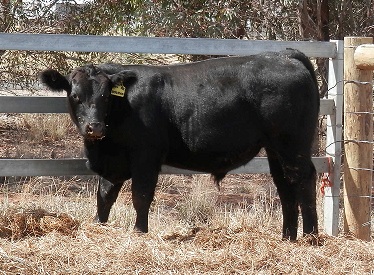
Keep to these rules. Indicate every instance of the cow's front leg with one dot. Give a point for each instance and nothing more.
(143, 190)
(145, 169)
(107, 194)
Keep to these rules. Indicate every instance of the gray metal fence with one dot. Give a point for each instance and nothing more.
(330, 106)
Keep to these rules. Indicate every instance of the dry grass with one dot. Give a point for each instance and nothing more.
(41, 126)
(46, 228)
(193, 231)
(109, 250)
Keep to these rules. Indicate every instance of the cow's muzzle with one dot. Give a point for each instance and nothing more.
(95, 130)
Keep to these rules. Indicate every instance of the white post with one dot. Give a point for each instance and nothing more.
(334, 140)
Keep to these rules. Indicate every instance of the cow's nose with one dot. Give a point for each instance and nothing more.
(95, 130)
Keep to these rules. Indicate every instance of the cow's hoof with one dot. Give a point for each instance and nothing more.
(97, 221)
(138, 230)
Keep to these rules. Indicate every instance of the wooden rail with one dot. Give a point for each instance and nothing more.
(364, 57)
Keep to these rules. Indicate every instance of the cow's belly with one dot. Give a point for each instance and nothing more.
(214, 160)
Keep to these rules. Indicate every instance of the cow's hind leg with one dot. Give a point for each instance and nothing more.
(300, 175)
(287, 194)
(107, 194)
(307, 196)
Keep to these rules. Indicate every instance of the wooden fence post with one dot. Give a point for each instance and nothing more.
(358, 136)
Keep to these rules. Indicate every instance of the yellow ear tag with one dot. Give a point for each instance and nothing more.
(118, 90)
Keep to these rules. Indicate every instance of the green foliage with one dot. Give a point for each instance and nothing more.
(218, 19)
(268, 19)
(100, 17)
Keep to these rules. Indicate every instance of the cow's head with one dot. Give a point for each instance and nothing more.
(89, 91)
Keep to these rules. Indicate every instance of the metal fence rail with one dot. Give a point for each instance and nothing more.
(159, 45)
(56, 105)
(62, 167)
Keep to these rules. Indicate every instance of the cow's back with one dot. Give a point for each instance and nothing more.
(231, 102)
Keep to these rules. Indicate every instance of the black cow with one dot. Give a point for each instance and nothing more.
(210, 116)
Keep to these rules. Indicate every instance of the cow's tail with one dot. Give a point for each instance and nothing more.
(296, 54)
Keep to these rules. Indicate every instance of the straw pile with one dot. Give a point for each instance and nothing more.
(17, 224)
(109, 250)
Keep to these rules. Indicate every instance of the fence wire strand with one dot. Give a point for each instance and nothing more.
(347, 82)
(346, 141)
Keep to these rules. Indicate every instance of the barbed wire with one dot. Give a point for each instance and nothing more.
(357, 141)
(366, 113)
(350, 112)
(363, 169)
(350, 196)
(358, 82)
(348, 82)
(346, 141)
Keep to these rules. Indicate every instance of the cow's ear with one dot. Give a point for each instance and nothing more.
(54, 80)
(125, 77)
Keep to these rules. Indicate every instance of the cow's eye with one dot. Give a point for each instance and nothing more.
(76, 99)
